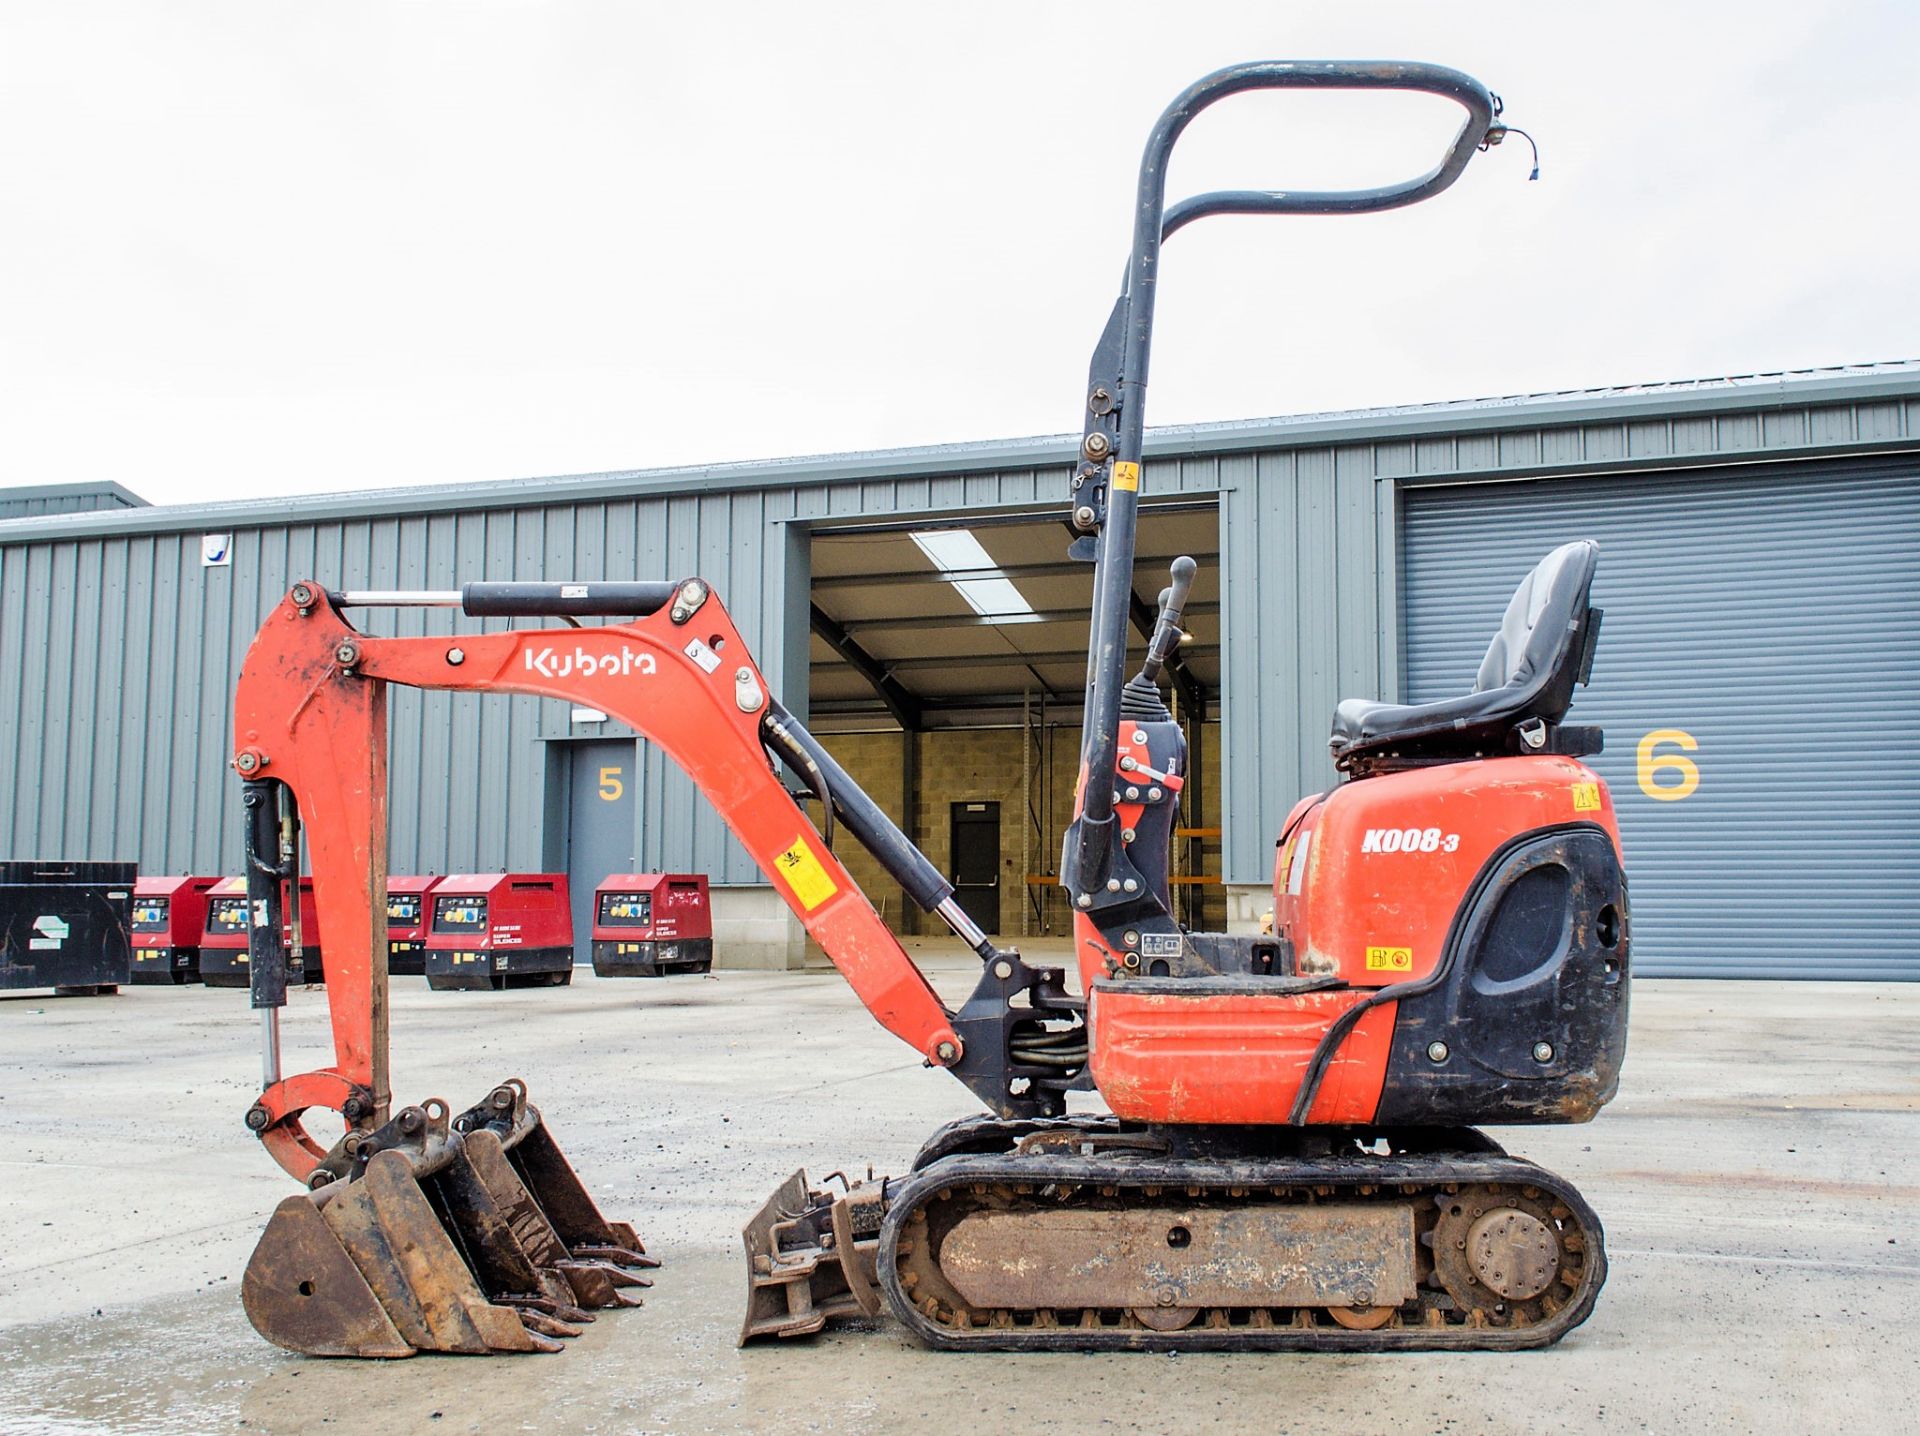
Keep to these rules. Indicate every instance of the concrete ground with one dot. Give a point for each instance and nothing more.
(1759, 1178)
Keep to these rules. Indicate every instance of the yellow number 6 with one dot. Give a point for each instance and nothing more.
(611, 787)
(1651, 763)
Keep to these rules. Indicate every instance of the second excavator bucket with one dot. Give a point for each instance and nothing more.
(810, 1258)
(472, 1235)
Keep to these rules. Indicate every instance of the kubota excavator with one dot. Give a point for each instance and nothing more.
(1289, 1158)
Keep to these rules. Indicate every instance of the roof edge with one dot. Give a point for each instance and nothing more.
(1452, 418)
(13, 492)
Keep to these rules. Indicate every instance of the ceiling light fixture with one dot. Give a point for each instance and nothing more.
(962, 562)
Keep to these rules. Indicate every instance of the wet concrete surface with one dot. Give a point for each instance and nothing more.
(1759, 1178)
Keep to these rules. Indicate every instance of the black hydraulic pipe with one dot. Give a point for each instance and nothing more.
(260, 856)
(877, 833)
(1091, 842)
(808, 767)
(535, 600)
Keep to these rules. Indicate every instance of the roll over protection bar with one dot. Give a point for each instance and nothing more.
(1106, 485)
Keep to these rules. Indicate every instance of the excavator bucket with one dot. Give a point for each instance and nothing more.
(810, 1258)
(472, 1235)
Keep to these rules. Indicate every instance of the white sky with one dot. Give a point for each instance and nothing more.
(260, 248)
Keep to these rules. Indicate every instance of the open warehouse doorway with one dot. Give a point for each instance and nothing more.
(947, 669)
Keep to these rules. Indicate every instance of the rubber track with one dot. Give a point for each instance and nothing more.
(1431, 1172)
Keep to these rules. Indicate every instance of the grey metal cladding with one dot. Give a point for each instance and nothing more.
(114, 612)
(1309, 547)
(1773, 616)
(1818, 410)
(118, 658)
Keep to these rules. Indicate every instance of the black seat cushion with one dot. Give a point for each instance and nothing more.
(1529, 672)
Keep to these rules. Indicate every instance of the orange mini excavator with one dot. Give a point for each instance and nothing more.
(1288, 1157)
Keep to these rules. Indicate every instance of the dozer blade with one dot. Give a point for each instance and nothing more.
(423, 1238)
(810, 1258)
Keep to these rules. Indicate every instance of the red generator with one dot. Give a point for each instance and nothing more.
(169, 916)
(498, 930)
(223, 942)
(407, 923)
(652, 924)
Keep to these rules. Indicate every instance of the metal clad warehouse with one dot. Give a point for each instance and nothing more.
(1760, 570)
(1758, 664)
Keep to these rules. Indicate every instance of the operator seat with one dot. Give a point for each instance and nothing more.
(1524, 688)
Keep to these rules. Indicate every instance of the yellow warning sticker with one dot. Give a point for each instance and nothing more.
(804, 875)
(1389, 959)
(1586, 797)
(1126, 476)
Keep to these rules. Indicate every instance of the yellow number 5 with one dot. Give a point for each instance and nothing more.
(611, 787)
(1651, 764)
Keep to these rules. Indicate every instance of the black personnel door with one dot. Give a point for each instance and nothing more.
(976, 862)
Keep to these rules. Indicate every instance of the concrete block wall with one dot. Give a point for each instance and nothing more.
(754, 929)
(877, 763)
(984, 765)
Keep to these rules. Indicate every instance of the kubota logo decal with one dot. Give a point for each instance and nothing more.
(1408, 840)
(550, 663)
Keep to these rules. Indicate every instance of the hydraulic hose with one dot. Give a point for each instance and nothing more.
(878, 833)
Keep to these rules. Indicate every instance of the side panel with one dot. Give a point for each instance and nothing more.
(1235, 1059)
(1390, 859)
(1388, 862)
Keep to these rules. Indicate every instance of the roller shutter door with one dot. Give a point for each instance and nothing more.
(1771, 617)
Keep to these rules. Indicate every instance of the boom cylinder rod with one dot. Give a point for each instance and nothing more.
(965, 928)
(269, 1046)
(396, 598)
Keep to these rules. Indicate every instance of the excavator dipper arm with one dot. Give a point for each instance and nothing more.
(311, 714)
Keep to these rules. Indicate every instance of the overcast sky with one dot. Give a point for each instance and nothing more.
(260, 248)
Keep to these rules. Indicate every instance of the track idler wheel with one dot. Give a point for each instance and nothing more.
(472, 1235)
(1506, 1256)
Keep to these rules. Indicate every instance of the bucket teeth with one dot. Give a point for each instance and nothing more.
(620, 1256)
(542, 1324)
(596, 1284)
(441, 1237)
(543, 1341)
(547, 1306)
(604, 1271)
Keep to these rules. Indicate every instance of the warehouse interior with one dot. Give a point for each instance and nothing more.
(946, 671)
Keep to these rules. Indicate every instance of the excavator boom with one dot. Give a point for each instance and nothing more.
(311, 716)
(311, 746)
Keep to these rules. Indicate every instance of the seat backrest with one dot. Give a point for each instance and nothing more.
(1543, 638)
